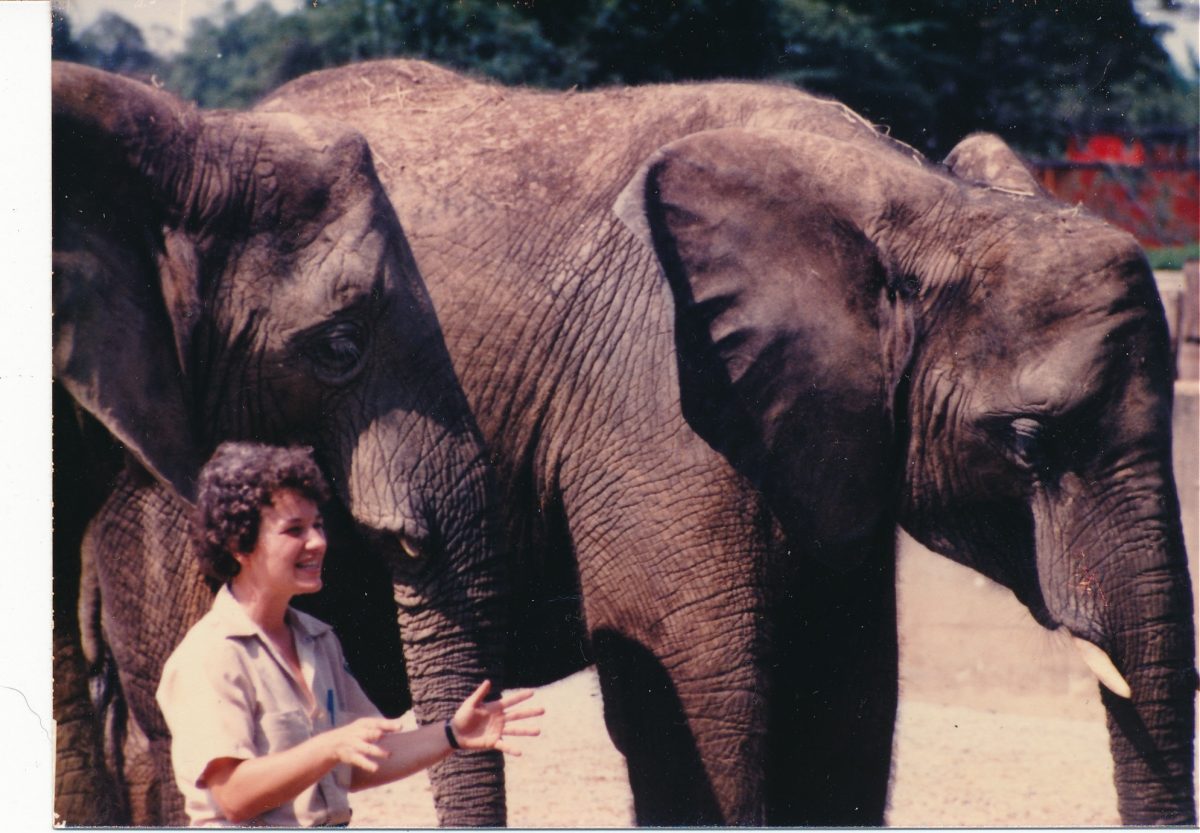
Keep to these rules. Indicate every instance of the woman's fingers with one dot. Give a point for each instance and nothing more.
(362, 762)
(357, 746)
(377, 726)
(368, 730)
(481, 724)
(389, 726)
(368, 748)
(513, 697)
(476, 696)
(523, 714)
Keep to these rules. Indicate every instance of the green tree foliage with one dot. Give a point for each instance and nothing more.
(929, 71)
(565, 43)
(640, 41)
(234, 58)
(237, 57)
(1032, 72)
(63, 46)
(111, 43)
(483, 35)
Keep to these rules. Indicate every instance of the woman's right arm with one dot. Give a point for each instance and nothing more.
(247, 787)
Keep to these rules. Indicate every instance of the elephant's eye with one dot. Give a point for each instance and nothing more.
(905, 286)
(1026, 444)
(338, 351)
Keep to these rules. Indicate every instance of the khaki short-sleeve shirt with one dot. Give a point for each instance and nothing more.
(226, 693)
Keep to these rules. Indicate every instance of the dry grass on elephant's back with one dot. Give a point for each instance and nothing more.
(1000, 725)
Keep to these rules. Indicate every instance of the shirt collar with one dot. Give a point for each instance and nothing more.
(233, 621)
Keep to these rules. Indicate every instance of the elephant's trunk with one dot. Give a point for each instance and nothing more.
(1152, 732)
(450, 602)
(432, 515)
(1131, 596)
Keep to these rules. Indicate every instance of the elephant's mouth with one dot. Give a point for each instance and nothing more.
(411, 546)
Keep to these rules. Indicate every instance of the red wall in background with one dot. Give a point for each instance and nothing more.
(1151, 188)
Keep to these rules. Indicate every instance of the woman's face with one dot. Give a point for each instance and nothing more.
(286, 560)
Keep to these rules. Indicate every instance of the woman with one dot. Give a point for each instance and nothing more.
(267, 725)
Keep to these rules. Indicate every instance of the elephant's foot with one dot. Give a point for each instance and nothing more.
(674, 783)
(84, 793)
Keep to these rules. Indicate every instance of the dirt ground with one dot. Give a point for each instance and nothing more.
(1000, 725)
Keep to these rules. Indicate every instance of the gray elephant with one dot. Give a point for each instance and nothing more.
(243, 276)
(847, 337)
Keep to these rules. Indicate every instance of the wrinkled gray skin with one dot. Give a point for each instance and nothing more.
(847, 337)
(243, 276)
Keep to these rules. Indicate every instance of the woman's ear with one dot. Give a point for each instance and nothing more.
(765, 240)
(119, 280)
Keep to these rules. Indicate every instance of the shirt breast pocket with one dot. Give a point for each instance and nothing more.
(283, 730)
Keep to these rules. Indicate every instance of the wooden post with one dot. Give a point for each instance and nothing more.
(1187, 412)
(1188, 325)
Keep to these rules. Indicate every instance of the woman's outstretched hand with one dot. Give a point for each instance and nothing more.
(481, 725)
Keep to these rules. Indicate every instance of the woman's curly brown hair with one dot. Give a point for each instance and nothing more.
(235, 484)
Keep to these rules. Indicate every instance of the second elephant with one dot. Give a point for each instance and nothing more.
(708, 416)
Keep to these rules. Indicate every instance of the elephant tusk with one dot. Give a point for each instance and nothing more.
(410, 547)
(1100, 664)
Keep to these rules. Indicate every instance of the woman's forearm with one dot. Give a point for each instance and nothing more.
(375, 747)
(408, 753)
(244, 789)
(253, 786)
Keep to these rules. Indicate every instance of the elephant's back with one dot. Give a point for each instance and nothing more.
(434, 130)
(334, 89)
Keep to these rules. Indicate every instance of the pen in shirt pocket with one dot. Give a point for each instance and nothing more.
(329, 707)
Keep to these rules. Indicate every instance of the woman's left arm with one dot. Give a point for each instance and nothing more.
(476, 725)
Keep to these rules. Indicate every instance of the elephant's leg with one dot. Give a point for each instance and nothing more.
(692, 748)
(836, 678)
(678, 644)
(146, 765)
(84, 793)
(151, 592)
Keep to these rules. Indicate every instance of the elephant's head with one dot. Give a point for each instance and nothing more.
(873, 338)
(222, 275)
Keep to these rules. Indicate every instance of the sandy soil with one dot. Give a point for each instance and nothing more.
(1000, 725)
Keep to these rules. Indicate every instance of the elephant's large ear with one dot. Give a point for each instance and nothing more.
(790, 329)
(984, 159)
(118, 306)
